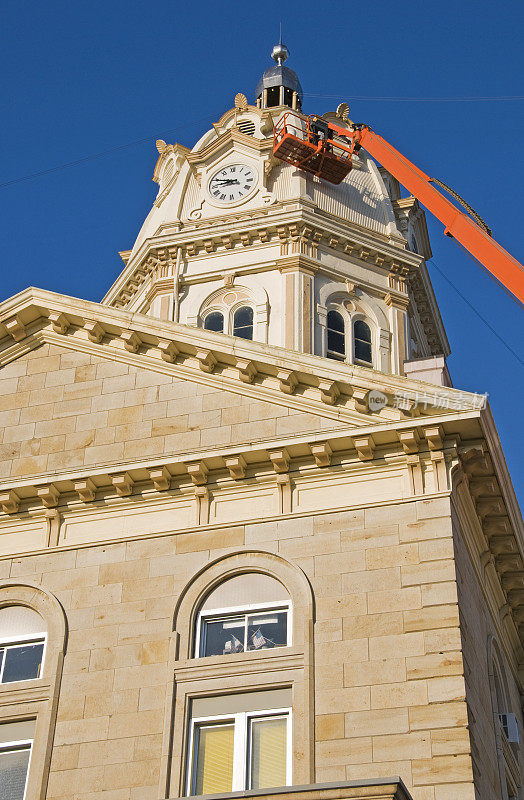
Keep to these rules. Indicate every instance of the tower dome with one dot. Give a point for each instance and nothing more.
(279, 85)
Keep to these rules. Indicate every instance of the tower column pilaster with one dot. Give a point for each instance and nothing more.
(297, 321)
(398, 317)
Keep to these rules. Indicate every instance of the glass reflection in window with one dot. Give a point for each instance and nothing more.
(214, 322)
(237, 633)
(362, 341)
(243, 322)
(14, 763)
(21, 662)
(336, 345)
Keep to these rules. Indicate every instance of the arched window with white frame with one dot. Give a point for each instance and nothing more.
(32, 645)
(362, 343)
(336, 335)
(243, 322)
(230, 311)
(214, 321)
(349, 335)
(240, 614)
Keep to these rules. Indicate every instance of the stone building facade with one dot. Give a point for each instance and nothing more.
(251, 538)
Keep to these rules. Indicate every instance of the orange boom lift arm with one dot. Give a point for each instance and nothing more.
(325, 150)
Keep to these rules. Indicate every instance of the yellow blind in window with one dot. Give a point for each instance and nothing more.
(268, 752)
(214, 761)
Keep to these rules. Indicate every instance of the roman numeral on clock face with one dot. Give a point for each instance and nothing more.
(232, 183)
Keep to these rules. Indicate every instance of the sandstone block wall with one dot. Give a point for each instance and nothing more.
(63, 410)
(480, 636)
(388, 673)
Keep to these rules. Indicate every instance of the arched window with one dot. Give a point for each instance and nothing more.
(243, 322)
(214, 322)
(336, 340)
(251, 729)
(32, 644)
(250, 611)
(506, 724)
(362, 350)
(22, 643)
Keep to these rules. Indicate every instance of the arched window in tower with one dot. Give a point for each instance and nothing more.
(362, 349)
(243, 322)
(336, 340)
(214, 322)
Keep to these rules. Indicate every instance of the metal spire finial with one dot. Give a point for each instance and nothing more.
(280, 52)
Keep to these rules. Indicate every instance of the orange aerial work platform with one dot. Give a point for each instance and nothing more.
(300, 142)
(325, 150)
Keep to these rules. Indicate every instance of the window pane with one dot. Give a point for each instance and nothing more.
(335, 333)
(243, 323)
(23, 662)
(214, 322)
(267, 630)
(362, 330)
(268, 753)
(335, 321)
(20, 621)
(249, 588)
(335, 342)
(214, 759)
(13, 773)
(223, 636)
(363, 351)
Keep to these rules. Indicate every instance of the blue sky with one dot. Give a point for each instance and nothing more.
(80, 79)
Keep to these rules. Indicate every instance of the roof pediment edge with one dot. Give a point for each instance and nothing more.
(154, 343)
(223, 140)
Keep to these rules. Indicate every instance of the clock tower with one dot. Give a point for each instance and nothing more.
(240, 243)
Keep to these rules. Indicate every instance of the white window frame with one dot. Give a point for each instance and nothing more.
(350, 317)
(232, 312)
(228, 314)
(8, 642)
(346, 320)
(22, 744)
(358, 361)
(241, 722)
(216, 310)
(215, 614)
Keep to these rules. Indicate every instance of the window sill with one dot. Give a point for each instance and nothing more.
(236, 663)
(18, 691)
(379, 789)
(247, 654)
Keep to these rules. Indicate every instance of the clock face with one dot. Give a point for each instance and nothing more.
(232, 183)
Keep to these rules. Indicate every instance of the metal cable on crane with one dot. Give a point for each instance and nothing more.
(459, 199)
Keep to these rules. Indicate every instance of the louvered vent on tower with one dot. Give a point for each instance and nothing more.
(247, 127)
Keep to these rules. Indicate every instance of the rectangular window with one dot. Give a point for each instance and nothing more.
(240, 750)
(214, 758)
(268, 752)
(21, 661)
(237, 633)
(16, 739)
